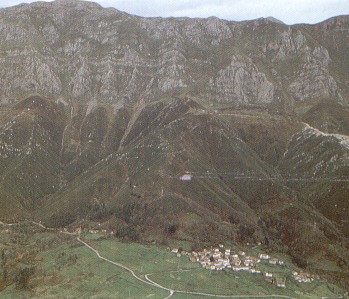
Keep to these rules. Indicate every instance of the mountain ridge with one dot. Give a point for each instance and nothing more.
(63, 65)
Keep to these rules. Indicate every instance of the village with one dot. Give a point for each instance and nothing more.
(216, 258)
(221, 258)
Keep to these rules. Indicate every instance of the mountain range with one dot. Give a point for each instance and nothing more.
(102, 113)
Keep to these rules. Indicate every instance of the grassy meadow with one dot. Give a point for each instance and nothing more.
(64, 268)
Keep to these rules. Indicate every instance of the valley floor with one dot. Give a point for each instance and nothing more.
(65, 265)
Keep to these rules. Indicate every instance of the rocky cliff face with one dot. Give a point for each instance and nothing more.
(79, 50)
(314, 79)
(242, 83)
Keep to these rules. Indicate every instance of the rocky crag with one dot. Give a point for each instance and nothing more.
(74, 50)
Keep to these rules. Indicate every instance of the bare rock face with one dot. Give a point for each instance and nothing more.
(172, 72)
(242, 83)
(287, 44)
(197, 31)
(81, 80)
(26, 71)
(314, 79)
(76, 50)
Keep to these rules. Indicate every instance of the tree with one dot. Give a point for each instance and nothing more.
(5, 274)
(23, 277)
(171, 229)
(3, 258)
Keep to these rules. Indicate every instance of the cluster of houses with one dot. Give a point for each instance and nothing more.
(223, 258)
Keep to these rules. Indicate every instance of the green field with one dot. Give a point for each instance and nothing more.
(64, 268)
(166, 269)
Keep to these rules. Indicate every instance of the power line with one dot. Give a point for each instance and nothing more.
(234, 176)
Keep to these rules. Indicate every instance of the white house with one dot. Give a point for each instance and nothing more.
(186, 177)
(264, 256)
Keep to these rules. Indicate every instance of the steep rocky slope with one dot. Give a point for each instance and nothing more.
(76, 50)
(30, 139)
(316, 164)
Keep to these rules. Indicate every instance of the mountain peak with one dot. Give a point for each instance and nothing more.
(272, 19)
(77, 2)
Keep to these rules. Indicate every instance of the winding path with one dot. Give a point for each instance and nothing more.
(172, 292)
(122, 266)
